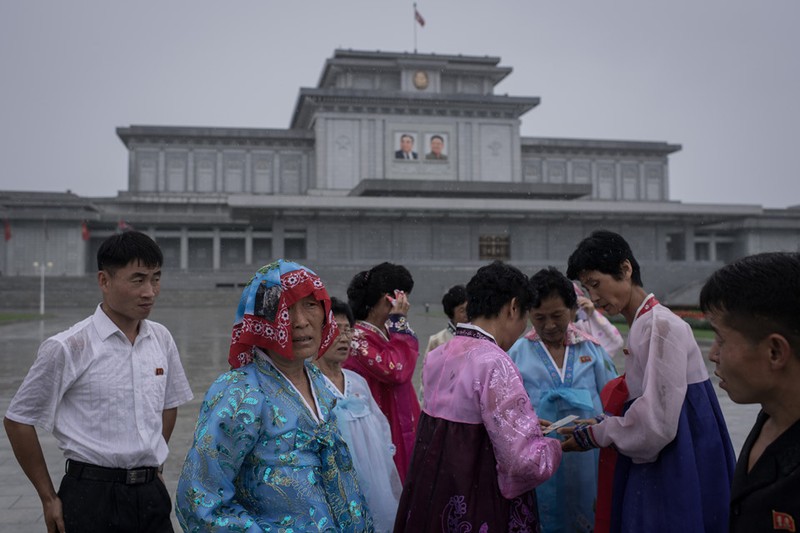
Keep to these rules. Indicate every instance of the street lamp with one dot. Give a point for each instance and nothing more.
(42, 268)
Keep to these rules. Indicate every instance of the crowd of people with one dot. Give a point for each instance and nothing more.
(525, 423)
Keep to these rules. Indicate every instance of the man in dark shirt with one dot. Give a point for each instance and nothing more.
(753, 306)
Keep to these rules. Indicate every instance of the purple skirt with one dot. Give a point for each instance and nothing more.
(452, 484)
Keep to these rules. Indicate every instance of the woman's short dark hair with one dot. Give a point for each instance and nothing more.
(340, 307)
(456, 296)
(549, 282)
(603, 251)
(120, 249)
(758, 295)
(493, 286)
(369, 286)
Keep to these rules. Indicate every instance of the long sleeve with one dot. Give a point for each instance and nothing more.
(391, 361)
(226, 432)
(525, 458)
(657, 381)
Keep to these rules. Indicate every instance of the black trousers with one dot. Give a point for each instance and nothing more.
(105, 506)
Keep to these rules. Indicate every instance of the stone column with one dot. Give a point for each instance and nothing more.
(689, 237)
(278, 236)
(216, 249)
(248, 245)
(184, 248)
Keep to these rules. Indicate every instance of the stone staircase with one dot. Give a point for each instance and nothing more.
(22, 293)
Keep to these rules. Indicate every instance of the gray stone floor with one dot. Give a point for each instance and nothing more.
(202, 337)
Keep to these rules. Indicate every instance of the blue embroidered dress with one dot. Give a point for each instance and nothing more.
(261, 461)
(566, 501)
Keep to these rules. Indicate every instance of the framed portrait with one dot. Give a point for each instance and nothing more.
(436, 146)
(406, 146)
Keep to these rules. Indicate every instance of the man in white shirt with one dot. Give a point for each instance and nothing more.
(109, 389)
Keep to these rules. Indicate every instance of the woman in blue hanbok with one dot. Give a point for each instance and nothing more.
(267, 454)
(563, 370)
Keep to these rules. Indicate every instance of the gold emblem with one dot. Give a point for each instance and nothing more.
(421, 80)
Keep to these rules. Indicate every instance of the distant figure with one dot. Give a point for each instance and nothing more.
(406, 150)
(437, 146)
(454, 304)
(753, 306)
(669, 423)
(108, 389)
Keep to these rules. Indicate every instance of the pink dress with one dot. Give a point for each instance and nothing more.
(388, 366)
(479, 452)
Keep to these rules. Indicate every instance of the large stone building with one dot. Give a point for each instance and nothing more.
(336, 190)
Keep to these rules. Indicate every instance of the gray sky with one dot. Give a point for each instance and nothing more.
(722, 78)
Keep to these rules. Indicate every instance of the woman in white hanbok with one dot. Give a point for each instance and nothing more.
(362, 424)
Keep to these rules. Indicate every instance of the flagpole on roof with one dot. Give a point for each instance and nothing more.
(417, 20)
(414, 22)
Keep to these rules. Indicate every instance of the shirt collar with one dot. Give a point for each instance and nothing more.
(105, 326)
(468, 327)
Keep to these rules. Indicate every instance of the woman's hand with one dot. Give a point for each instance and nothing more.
(400, 304)
(586, 304)
(543, 424)
(569, 444)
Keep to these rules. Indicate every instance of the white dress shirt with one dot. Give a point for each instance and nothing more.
(101, 396)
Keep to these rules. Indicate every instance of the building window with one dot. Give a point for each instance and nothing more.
(702, 251)
(726, 252)
(262, 251)
(493, 247)
(676, 247)
(295, 248)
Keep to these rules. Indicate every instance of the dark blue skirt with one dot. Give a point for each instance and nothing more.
(687, 489)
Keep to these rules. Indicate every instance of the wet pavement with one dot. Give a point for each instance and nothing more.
(202, 336)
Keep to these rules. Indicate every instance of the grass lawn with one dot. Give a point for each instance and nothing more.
(701, 334)
(8, 317)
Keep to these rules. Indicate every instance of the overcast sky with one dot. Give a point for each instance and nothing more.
(720, 77)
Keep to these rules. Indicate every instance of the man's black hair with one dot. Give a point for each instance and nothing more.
(603, 251)
(493, 286)
(758, 295)
(550, 282)
(340, 307)
(121, 249)
(369, 286)
(454, 297)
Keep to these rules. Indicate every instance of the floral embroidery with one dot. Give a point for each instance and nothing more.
(453, 511)
(260, 459)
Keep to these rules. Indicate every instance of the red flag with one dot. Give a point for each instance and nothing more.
(419, 18)
(123, 226)
(7, 228)
(85, 231)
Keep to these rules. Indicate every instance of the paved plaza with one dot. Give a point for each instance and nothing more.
(202, 336)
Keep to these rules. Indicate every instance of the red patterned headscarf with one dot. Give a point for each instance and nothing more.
(262, 318)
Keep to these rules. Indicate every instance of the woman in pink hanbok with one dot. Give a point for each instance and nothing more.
(386, 350)
(479, 452)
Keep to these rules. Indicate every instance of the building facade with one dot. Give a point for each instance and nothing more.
(409, 158)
